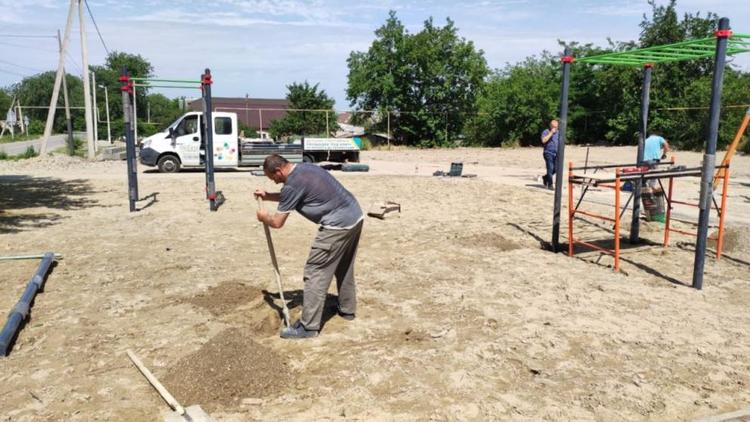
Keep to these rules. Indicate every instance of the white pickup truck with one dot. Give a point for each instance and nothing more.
(181, 146)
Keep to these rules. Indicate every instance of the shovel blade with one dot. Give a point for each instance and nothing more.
(193, 413)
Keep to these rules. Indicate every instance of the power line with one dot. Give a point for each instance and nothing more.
(12, 73)
(29, 47)
(22, 67)
(97, 27)
(25, 36)
(72, 60)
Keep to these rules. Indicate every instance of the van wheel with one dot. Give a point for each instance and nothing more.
(308, 158)
(168, 164)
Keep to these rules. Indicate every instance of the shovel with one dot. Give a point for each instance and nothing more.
(192, 413)
(284, 309)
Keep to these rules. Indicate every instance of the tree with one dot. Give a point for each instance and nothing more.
(108, 76)
(5, 100)
(37, 91)
(303, 96)
(516, 103)
(427, 82)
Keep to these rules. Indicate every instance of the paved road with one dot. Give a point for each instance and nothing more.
(16, 148)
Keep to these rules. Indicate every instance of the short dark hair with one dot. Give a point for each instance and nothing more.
(274, 162)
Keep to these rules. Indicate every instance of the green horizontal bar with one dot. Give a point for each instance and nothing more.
(167, 86)
(666, 55)
(184, 81)
(685, 50)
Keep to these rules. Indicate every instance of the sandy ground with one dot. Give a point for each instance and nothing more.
(462, 316)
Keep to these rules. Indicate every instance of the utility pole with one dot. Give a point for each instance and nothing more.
(20, 116)
(68, 121)
(148, 111)
(106, 107)
(58, 79)
(96, 110)
(86, 82)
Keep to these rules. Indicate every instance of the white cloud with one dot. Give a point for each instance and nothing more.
(259, 46)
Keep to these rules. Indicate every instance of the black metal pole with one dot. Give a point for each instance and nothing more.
(645, 100)
(19, 312)
(709, 157)
(209, 137)
(127, 89)
(559, 167)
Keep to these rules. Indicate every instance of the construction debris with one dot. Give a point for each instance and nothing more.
(19, 312)
(379, 210)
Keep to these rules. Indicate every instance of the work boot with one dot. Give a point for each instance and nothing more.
(344, 315)
(298, 331)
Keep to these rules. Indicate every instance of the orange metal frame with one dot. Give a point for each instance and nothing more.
(572, 212)
(721, 211)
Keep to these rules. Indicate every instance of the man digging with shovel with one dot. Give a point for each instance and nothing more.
(320, 198)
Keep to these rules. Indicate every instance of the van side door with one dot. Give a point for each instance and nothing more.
(225, 141)
(188, 140)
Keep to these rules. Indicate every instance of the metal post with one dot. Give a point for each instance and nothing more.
(638, 184)
(571, 210)
(709, 157)
(19, 312)
(668, 220)
(209, 137)
(127, 87)
(722, 214)
(135, 114)
(86, 83)
(567, 59)
(617, 219)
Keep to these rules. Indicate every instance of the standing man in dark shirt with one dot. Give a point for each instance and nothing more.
(320, 198)
(549, 141)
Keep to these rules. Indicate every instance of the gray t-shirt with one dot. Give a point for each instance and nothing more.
(319, 197)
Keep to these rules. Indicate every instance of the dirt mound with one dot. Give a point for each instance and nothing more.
(736, 240)
(488, 240)
(225, 297)
(227, 369)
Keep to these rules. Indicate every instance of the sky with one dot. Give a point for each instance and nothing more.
(257, 47)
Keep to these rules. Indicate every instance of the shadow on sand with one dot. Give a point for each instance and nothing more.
(20, 196)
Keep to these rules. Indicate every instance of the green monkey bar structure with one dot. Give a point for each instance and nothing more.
(681, 51)
(723, 43)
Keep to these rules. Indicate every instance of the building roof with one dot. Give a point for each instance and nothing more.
(257, 113)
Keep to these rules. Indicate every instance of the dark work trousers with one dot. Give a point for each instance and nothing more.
(332, 254)
(550, 161)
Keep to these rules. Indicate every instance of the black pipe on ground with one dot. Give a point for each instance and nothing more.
(19, 312)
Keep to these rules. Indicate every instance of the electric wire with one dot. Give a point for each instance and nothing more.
(97, 27)
(22, 67)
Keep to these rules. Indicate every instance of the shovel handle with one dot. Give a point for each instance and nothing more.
(171, 401)
(275, 263)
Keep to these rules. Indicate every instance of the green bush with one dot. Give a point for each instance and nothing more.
(36, 127)
(29, 153)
